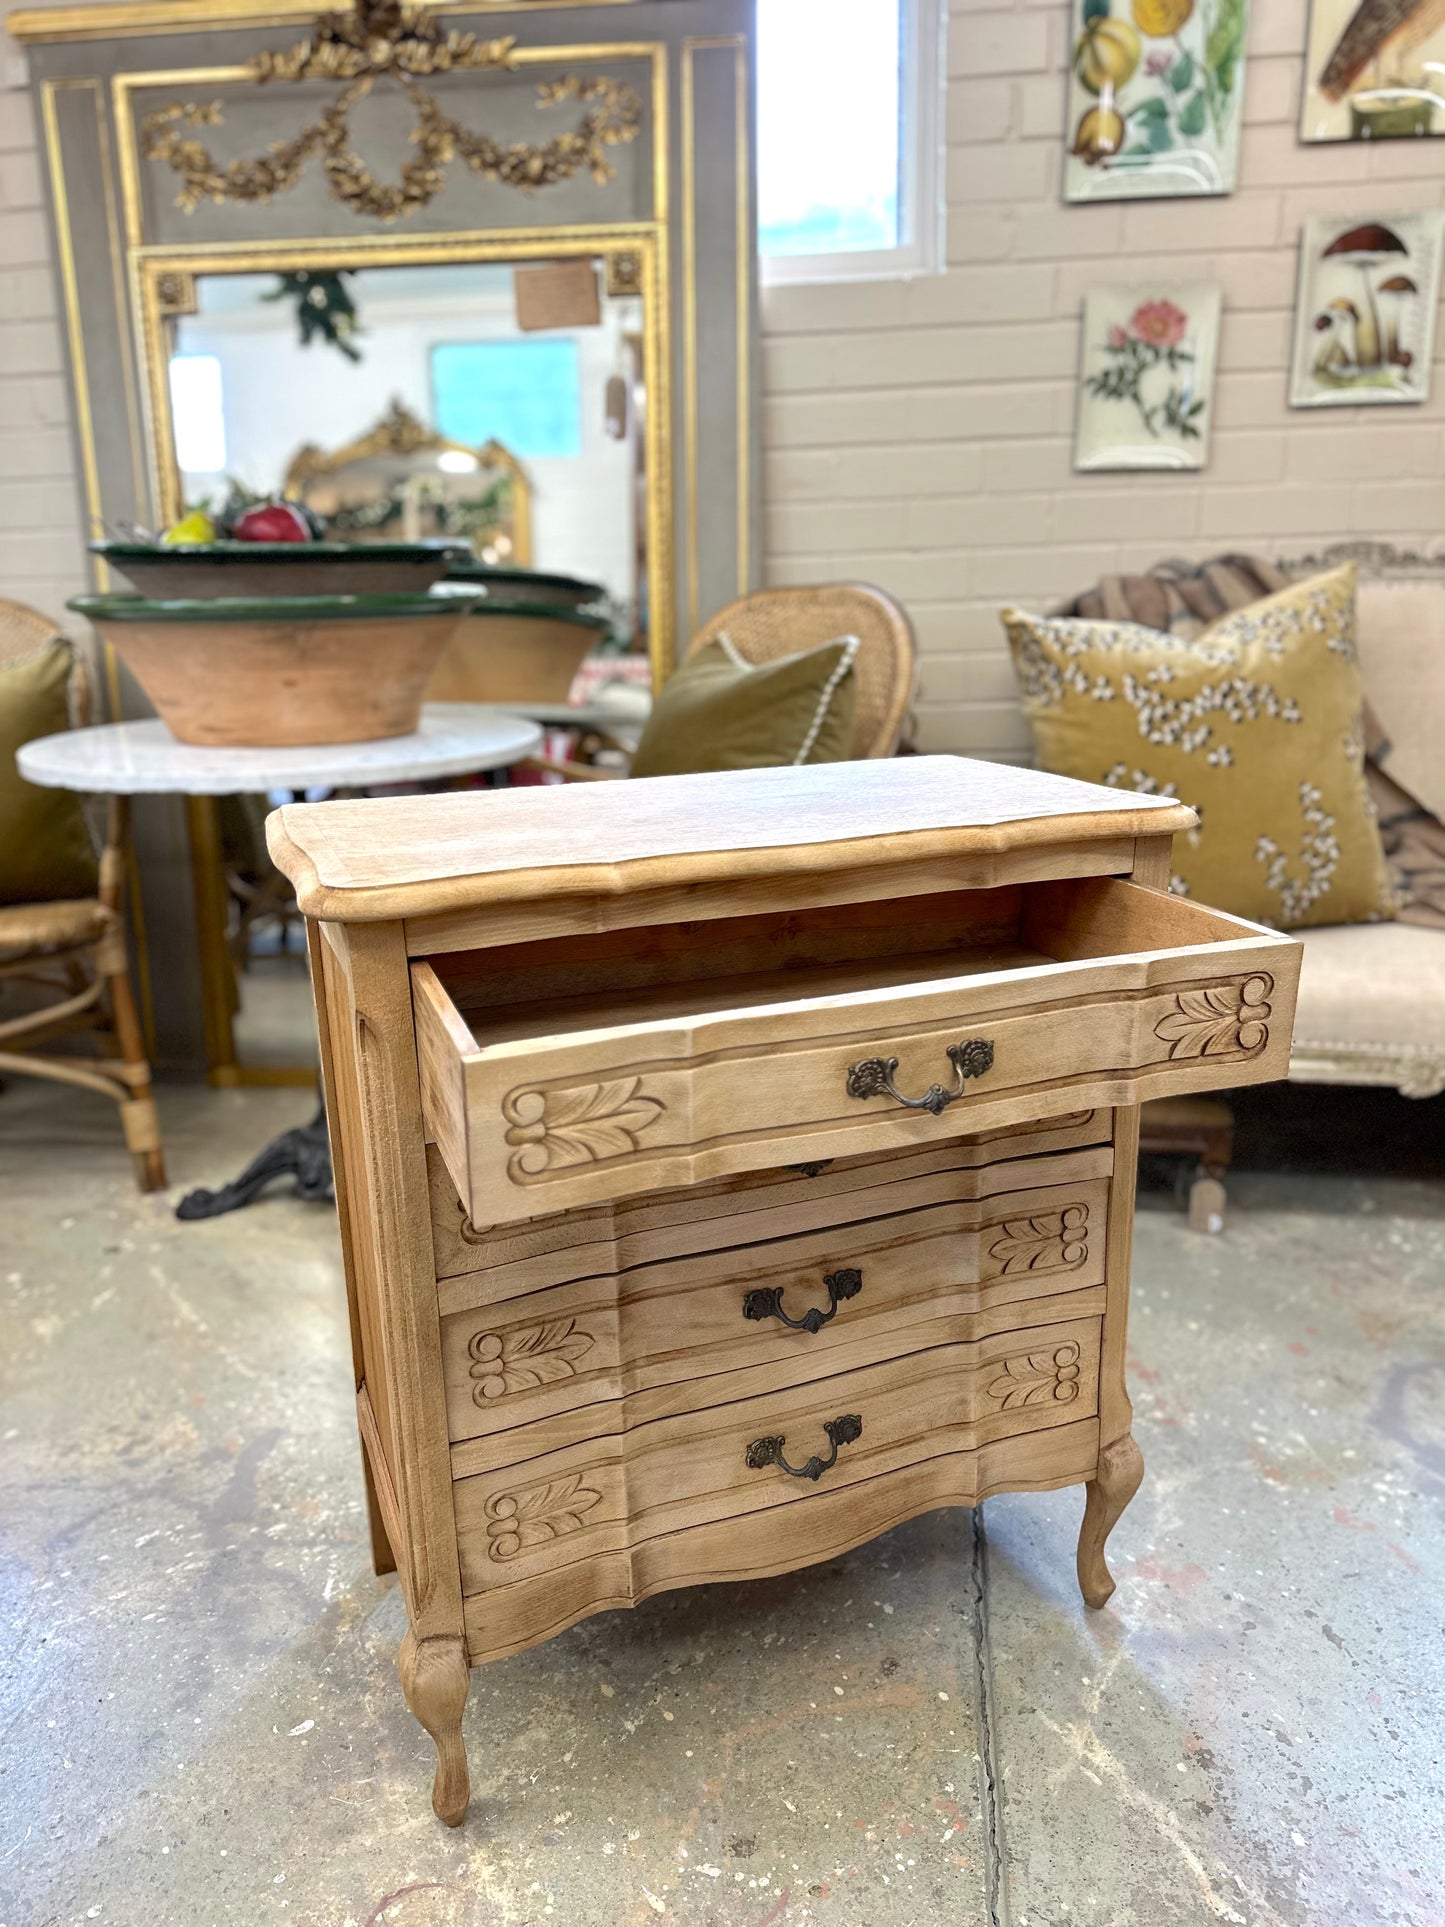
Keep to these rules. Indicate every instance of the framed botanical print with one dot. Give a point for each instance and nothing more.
(1146, 375)
(1364, 325)
(1154, 97)
(1374, 70)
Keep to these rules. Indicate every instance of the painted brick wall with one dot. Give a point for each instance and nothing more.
(42, 553)
(920, 433)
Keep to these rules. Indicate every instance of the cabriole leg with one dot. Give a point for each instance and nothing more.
(1121, 1467)
(434, 1677)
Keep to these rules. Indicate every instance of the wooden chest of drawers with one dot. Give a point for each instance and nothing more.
(732, 1167)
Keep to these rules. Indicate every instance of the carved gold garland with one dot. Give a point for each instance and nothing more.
(386, 39)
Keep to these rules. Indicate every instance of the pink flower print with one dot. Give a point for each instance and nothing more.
(1159, 62)
(1159, 323)
(1118, 337)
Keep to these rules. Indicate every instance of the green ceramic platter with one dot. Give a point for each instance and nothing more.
(454, 590)
(198, 569)
(295, 608)
(519, 581)
(123, 552)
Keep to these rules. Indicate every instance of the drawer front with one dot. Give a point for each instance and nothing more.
(826, 1522)
(560, 1120)
(852, 1293)
(736, 1461)
(757, 1204)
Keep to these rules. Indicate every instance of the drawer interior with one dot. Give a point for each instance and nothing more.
(558, 987)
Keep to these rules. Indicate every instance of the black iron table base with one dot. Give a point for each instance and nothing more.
(303, 1153)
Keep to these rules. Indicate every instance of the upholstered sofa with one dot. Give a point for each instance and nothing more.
(1372, 996)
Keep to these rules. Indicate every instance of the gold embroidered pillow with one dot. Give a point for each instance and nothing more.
(1255, 723)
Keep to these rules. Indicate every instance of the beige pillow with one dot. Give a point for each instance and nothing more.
(1255, 723)
(719, 711)
(1400, 636)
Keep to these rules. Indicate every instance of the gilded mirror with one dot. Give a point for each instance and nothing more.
(507, 399)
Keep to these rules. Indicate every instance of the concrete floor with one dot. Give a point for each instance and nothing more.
(200, 1723)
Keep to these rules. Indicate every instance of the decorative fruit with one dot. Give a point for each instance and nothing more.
(1100, 135)
(1159, 18)
(272, 522)
(1107, 53)
(195, 527)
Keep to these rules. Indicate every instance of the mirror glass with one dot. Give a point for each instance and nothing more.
(497, 402)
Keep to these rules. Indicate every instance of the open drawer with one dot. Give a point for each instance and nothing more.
(1049, 998)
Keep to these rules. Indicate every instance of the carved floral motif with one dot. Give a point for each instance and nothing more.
(1051, 1241)
(521, 1360)
(387, 40)
(1218, 1019)
(558, 1129)
(1044, 1377)
(530, 1515)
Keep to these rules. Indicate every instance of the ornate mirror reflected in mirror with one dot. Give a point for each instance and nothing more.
(403, 480)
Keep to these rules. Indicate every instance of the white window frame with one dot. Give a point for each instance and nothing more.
(923, 67)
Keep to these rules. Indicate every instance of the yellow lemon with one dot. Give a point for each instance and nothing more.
(195, 527)
(1106, 54)
(1100, 134)
(1158, 18)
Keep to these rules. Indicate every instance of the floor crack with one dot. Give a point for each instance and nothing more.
(990, 1780)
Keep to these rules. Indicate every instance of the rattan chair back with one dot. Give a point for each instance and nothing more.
(782, 622)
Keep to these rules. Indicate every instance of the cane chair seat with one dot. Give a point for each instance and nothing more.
(35, 929)
(72, 952)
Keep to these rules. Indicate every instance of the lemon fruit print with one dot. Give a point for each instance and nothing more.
(1154, 97)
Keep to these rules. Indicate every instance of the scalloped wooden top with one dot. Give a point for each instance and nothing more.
(370, 860)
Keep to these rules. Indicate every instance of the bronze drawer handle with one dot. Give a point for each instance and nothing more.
(840, 1431)
(767, 1302)
(874, 1076)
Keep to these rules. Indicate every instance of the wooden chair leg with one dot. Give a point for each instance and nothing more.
(1206, 1203)
(138, 1117)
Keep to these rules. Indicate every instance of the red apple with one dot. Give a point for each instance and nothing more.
(272, 522)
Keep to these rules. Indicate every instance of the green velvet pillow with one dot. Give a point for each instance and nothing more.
(45, 849)
(719, 711)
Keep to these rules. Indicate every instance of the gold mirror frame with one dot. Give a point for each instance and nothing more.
(162, 279)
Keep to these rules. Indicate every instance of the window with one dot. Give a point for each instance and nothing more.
(847, 137)
(197, 414)
(525, 394)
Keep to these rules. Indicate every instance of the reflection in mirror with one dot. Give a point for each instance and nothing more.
(501, 405)
(492, 402)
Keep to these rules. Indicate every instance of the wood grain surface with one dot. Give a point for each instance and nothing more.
(819, 1525)
(587, 1059)
(419, 855)
(614, 1490)
(685, 1321)
(1122, 993)
(474, 1261)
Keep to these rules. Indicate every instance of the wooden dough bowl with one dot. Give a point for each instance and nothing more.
(243, 673)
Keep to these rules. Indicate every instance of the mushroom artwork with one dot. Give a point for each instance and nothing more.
(1397, 293)
(1366, 247)
(1365, 308)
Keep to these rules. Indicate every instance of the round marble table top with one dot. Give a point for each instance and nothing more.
(130, 759)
